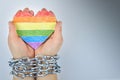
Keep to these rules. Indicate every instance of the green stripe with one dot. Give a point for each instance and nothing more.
(34, 32)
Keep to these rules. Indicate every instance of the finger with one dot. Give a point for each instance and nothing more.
(12, 30)
(31, 12)
(26, 10)
(51, 37)
(18, 13)
(44, 9)
(58, 30)
(51, 14)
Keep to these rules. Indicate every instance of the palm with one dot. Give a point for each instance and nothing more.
(53, 44)
(22, 46)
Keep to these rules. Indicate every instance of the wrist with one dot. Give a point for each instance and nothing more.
(20, 56)
(48, 77)
(27, 78)
(47, 53)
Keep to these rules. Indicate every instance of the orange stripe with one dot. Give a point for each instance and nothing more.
(34, 19)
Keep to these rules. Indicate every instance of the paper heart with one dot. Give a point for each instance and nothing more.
(34, 30)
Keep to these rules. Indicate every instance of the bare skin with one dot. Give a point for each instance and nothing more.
(20, 49)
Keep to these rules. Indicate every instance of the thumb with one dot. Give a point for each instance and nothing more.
(58, 31)
(12, 30)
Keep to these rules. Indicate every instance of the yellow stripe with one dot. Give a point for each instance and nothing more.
(35, 26)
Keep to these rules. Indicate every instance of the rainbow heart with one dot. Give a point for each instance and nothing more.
(35, 30)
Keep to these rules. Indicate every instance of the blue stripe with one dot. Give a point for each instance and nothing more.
(34, 38)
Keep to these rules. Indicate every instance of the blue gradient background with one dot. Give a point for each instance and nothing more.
(91, 30)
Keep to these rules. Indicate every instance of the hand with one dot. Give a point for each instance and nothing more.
(17, 46)
(53, 44)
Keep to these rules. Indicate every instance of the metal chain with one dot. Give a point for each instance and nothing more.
(39, 66)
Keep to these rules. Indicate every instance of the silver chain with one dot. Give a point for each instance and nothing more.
(39, 66)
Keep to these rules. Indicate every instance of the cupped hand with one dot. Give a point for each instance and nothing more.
(20, 49)
(53, 44)
(17, 46)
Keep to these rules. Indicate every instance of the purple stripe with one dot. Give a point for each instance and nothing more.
(34, 45)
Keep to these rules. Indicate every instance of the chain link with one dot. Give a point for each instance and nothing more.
(39, 66)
